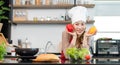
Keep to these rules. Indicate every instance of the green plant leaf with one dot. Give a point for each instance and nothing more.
(3, 17)
(1, 3)
(2, 48)
(1, 12)
(5, 8)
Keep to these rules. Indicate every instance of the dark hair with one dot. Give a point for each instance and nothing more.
(79, 40)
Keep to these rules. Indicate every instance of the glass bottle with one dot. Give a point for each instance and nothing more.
(37, 2)
(66, 16)
(17, 2)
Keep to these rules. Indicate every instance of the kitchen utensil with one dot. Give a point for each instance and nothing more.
(107, 47)
(26, 51)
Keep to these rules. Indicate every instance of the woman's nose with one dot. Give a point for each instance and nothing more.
(80, 27)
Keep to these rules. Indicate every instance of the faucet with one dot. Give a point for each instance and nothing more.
(46, 46)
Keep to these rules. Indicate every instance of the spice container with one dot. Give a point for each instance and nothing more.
(13, 52)
(48, 2)
(28, 44)
(9, 48)
(38, 2)
(19, 15)
(17, 2)
(20, 43)
(66, 16)
(48, 19)
(35, 19)
(42, 19)
(27, 2)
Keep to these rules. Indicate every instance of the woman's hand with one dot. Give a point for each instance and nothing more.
(86, 39)
(92, 31)
(74, 34)
(89, 35)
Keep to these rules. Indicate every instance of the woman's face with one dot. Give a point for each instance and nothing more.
(79, 27)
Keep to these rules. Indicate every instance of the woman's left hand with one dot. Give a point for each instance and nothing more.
(89, 35)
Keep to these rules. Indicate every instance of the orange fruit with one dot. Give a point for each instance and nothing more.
(92, 30)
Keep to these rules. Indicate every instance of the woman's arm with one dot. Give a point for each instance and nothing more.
(72, 43)
(74, 37)
(65, 42)
(86, 41)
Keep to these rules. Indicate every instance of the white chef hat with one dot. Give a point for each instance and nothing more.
(78, 13)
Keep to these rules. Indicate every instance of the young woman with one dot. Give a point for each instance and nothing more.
(79, 37)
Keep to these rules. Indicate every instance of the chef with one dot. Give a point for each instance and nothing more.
(78, 37)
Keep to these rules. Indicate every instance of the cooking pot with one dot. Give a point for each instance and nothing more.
(26, 51)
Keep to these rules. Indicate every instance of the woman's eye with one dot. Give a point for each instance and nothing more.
(82, 24)
(77, 24)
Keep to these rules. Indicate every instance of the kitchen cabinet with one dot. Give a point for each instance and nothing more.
(20, 18)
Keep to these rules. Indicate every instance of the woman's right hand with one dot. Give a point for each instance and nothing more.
(74, 34)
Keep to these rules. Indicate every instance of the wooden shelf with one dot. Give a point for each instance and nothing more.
(42, 22)
(87, 5)
(51, 6)
(43, 6)
(48, 22)
(90, 22)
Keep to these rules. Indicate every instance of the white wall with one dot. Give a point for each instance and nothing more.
(107, 8)
(39, 34)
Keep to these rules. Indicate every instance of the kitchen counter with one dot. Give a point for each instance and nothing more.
(93, 61)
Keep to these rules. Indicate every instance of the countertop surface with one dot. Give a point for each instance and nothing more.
(94, 61)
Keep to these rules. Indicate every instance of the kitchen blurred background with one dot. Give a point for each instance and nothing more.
(105, 13)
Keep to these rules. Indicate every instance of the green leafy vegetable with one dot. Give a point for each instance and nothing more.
(76, 54)
(2, 50)
(72, 53)
(83, 52)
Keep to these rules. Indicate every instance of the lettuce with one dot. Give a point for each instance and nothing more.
(72, 53)
(2, 50)
(77, 54)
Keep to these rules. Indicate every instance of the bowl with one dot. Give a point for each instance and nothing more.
(26, 51)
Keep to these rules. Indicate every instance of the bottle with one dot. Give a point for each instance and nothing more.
(27, 2)
(12, 49)
(19, 43)
(28, 45)
(37, 2)
(35, 19)
(66, 16)
(13, 52)
(47, 2)
(9, 48)
(17, 2)
(62, 18)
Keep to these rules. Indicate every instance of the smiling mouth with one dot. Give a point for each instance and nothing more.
(79, 31)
